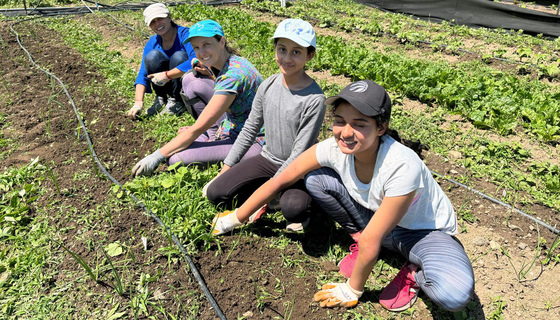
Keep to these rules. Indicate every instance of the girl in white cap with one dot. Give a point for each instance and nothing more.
(235, 86)
(165, 59)
(384, 196)
(290, 106)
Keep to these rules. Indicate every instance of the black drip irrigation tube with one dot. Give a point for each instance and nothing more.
(487, 197)
(189, 260)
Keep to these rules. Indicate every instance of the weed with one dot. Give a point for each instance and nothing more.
(521, 275)
(53, 177)
(551, 255)
(117, 284)
(498, 304)
(93, 276)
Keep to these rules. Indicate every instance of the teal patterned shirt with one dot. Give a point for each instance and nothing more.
(241, 78)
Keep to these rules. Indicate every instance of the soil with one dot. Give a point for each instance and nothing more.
(250, 274)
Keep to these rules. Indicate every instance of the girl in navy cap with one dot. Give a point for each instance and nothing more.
(165, 59)
(235, 84)
(384, 196)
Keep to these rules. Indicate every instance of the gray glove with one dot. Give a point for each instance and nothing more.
(160, 78)
(135, 110)
(147, 165)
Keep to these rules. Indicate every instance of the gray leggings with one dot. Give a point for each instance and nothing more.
(445, 273)
(204, 152)
(200, 89)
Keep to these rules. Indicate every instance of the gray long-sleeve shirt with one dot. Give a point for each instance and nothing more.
(292, 122)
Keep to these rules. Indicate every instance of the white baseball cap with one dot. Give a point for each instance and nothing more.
(156, 10)
(297, 30)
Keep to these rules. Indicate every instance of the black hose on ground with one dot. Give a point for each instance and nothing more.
(487, 197)
(190, 262)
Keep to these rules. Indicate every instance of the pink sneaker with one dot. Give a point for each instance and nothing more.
(346, 265)
(402, 292)
(257, 214)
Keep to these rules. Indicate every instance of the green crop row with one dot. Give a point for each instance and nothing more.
(346, 15)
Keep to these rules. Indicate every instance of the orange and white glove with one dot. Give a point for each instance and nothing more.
(338, 294)
(225, 222)
(160, 78)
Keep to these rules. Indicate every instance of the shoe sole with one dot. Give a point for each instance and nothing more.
(257, 215)
(403, 308)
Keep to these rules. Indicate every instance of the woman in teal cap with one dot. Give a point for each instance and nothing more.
(235, 86)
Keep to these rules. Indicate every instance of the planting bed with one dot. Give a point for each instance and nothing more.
(257, 273)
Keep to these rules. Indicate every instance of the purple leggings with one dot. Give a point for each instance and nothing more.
(204, 152)
(202, 89)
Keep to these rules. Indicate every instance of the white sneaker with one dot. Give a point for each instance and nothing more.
(174, 107)
(297, 226)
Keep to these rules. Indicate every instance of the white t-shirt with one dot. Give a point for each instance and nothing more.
(398, 171)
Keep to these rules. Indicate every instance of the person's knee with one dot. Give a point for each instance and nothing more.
(313, 182)
(452, 294)
(201, 87)
(177, 58)
(214, 194)
(294, 205)
(154, 56)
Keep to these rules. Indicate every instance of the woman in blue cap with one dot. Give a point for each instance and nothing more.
(165, 59)
(235, 86)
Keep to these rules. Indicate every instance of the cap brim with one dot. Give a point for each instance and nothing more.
(155, 17)
(330, 101)
(300, 42)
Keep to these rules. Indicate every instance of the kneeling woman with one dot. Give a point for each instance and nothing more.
(384, 196)
(236, 83)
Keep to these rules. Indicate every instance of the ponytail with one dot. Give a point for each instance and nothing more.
(229, 49)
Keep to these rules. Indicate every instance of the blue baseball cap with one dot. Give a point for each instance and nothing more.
(297, 30)
(205, 28)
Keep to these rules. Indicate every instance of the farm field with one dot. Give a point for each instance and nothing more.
(481, 106)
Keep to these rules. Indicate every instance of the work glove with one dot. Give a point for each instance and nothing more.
(147, 165)
(225, 222)
(338, 294)
(160, 78)
(135, 110)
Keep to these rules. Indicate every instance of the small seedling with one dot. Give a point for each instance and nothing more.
(83, 263)
(117, 284)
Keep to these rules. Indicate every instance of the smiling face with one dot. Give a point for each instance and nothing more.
(356, 133)
(210, 51)
(161, 26)
(291, 57)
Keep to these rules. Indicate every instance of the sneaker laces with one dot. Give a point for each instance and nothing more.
(403, 281)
